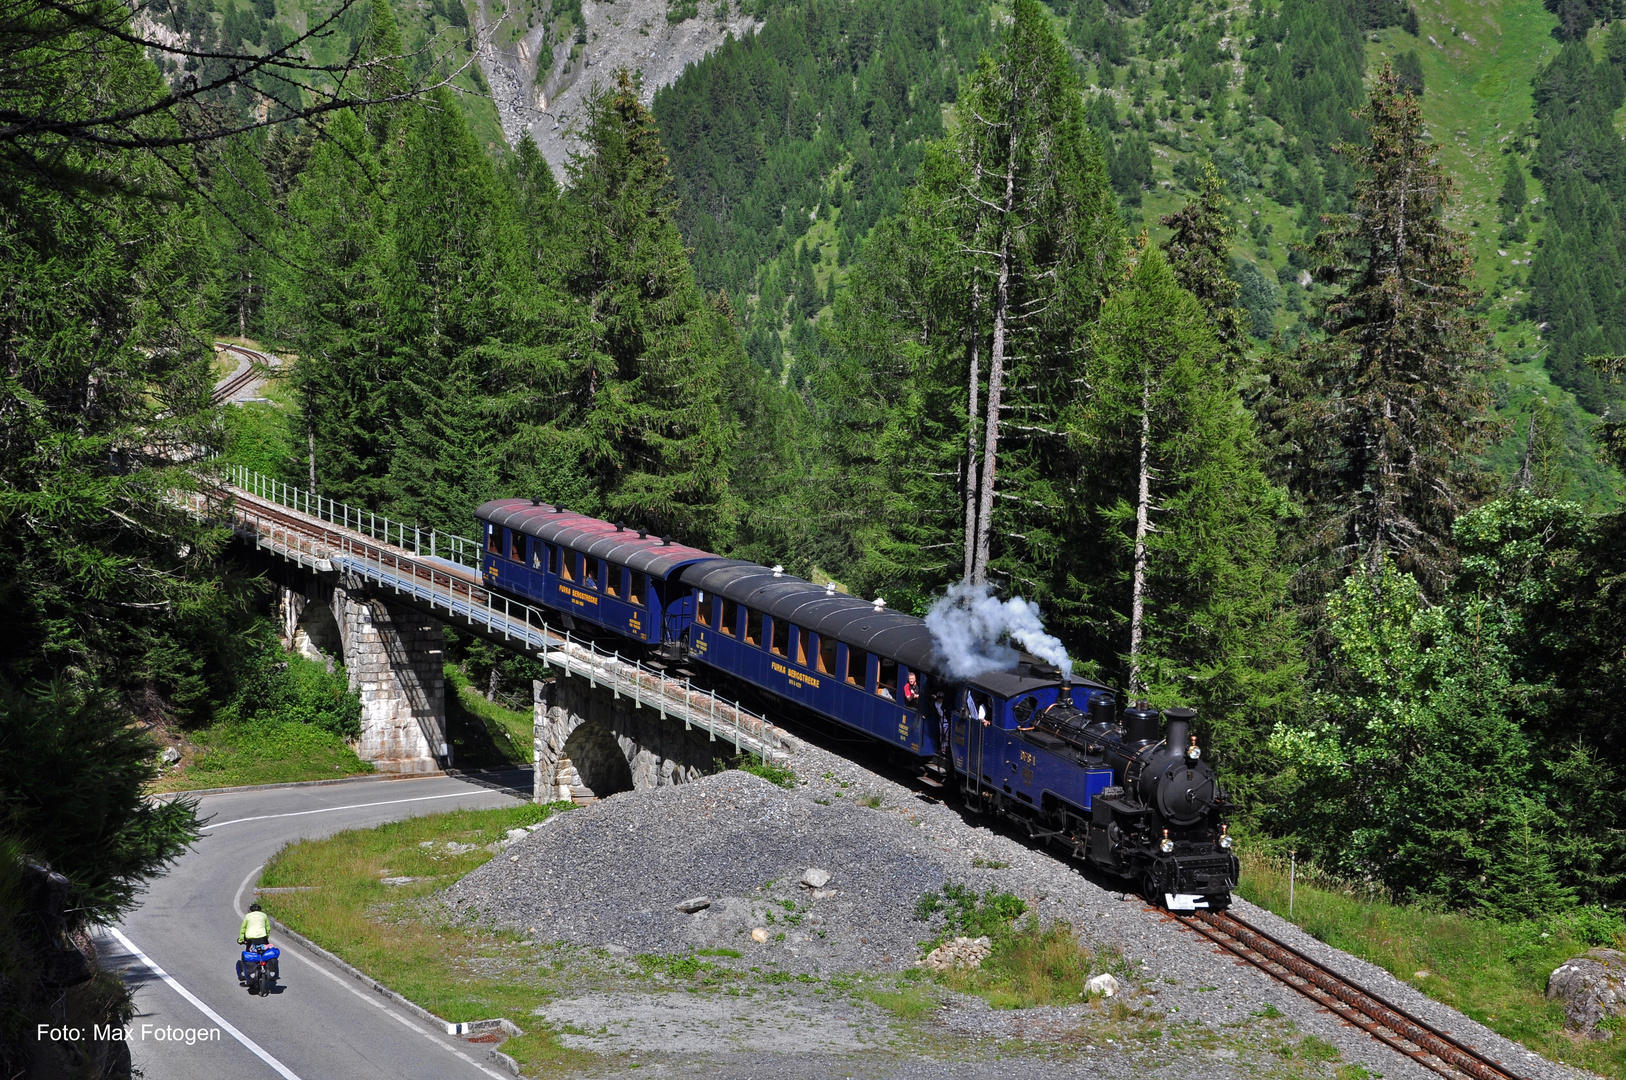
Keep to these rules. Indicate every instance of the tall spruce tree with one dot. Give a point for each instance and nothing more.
(640, 404)
(963, 335)
(1389, 405)
(454, 277)
(330, 297)
(1199, 252)
(242, 235)
(1190, 600)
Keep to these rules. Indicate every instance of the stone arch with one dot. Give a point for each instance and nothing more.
(598, 762)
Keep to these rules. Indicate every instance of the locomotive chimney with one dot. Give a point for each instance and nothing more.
(1066, 695)
(1178, 733)
(1141, 723)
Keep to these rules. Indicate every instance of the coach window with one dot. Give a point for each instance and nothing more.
(702, 608)
(731, 618)
(806, 647)
(553, 558)
(635, 592)
(516, 546)
(753, 628)
(590, 576)
(493, 541)
(827, 654)
(781, 638)
(536, 554)
(857, 666)
(567, 564)
(612, 579)
(887, 685)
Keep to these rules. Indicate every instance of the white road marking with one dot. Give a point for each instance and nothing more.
(331, 809)
(254, 1047)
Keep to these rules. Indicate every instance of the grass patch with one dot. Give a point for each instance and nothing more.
(1030, 964)
(481, 731)
(1495, 972)
(453, 970)
(757, 765)
(263, 751)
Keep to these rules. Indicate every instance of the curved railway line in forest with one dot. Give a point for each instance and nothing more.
(244, 376)
(1403, 1031)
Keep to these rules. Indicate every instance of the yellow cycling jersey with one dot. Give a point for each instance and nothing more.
(255, 924)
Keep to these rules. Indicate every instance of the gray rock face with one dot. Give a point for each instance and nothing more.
(1592, 987)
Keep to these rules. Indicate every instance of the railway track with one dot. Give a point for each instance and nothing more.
(228, 387)
(1403, 1031)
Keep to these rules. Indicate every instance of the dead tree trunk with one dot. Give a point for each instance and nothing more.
(996, 360)
(1143, 526)
(971, 436)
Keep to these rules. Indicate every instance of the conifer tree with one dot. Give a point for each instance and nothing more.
(1191, 589)
(1513, 194)
(1390, 404)
(641, 403)
(330, 295)
(452, 283)
(1199, 253)
(243, 235)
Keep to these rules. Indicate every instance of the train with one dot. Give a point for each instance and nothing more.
(1126, 789)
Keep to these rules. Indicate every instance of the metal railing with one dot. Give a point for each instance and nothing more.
(431, 543)
(390, 554)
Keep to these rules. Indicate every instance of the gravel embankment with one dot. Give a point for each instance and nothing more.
(612, 875)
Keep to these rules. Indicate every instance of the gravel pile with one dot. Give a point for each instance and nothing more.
(619, 872)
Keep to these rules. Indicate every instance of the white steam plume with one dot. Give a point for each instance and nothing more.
(970, 628)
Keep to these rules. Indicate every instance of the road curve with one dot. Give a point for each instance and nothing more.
(322, 1024)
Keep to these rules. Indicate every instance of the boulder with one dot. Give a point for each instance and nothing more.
(1103, 984)
(814, 878)
(1592, 987)
(694, 904)
(170, 755)
(962, 952)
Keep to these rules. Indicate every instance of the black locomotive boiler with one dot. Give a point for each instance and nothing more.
(1127, 791)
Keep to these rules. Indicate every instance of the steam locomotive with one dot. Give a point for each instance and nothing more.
(1125, 790)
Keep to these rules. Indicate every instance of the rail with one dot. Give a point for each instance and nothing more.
(1410, 1035)
(441, 572)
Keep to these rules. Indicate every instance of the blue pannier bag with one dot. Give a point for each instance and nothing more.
(254, 956)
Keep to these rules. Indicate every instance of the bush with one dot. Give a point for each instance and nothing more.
(280, 686)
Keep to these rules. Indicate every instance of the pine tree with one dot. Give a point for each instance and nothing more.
(1192, 585)
(1035, 228)
(1512, 198)
(1199, 253)
(966, 325)
(453, 278)
(243, 236)
(1390, 403)
(330, 297)
(643, 401)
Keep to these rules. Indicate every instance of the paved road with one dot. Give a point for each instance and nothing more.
(323, 1025)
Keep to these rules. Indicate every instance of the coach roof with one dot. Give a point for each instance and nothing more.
(578, 532)
(846, 618)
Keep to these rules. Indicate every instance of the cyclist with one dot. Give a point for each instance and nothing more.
(256, 930)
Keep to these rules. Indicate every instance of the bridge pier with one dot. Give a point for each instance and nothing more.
(394, 658)
(588, 743)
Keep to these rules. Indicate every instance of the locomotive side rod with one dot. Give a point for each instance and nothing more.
(1415, 1038)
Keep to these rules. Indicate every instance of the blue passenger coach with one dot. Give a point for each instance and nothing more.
(605, 575)
(847, 659)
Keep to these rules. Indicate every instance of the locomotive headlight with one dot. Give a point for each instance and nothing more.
(1225, 837)
(1192, 752)
(1167, 845)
